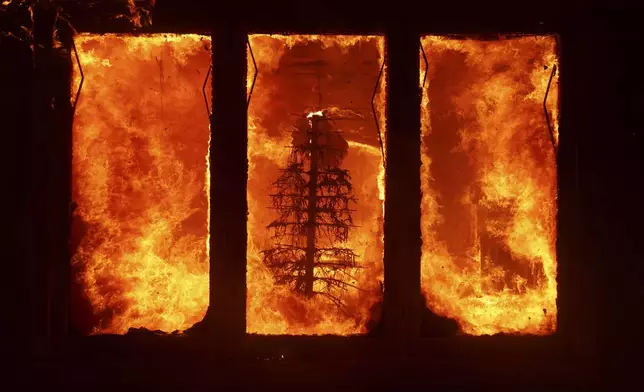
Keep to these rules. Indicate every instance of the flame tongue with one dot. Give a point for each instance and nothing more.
(489, 184)
(140, 181)
(318, 113)
(273, 308)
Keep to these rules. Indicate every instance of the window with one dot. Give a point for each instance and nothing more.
(489, 182)
(140, 231)
(315, 184)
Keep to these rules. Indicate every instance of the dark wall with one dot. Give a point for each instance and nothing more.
(15, 108)
(612, 203)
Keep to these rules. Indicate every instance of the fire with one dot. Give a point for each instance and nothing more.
(318, 113)
(140, 181)
(489, 184)
(280, 94)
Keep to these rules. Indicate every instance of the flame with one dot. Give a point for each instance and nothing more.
(273, 309)
(319, 113)
(140, 180)
(489, 177)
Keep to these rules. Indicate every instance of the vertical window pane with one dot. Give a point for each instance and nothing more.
(489, 183)
(315, 185)
(140, 228)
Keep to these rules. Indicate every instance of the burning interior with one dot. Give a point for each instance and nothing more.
(140, 226)
(489, 182)
(169, 217)
(315, 184)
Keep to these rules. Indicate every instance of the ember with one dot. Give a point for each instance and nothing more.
(489, 183)
(300, 75)
(140, 182)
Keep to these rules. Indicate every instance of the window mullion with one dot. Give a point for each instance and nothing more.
(229, 171)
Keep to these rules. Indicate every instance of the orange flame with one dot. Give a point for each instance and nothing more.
(140, 179)
(278, 93)
(489, 184)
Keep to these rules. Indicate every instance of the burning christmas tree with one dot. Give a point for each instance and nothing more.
(313, 196)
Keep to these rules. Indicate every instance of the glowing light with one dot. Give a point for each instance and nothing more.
(278, 93)
(489, 184)
(140, 179)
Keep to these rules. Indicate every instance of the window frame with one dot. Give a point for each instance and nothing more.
(224, 325)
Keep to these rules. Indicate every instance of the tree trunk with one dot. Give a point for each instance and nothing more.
(312, 210)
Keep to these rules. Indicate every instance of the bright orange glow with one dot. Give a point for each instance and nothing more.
(140, 180)
(489, 184)
(344, 87)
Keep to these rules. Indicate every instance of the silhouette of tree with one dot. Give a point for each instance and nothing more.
(313, 196)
